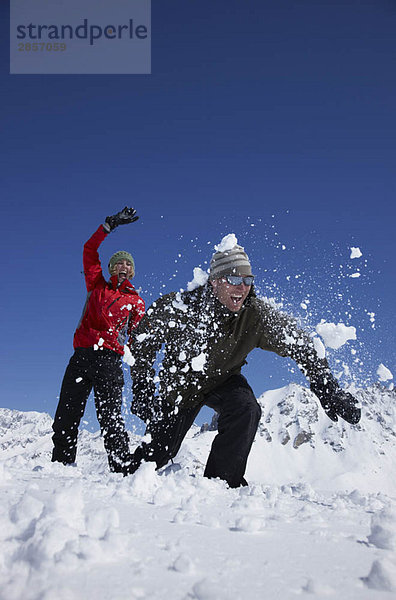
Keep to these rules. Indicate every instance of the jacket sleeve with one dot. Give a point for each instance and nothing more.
(282, 336)
(91, 263)
(147, 341)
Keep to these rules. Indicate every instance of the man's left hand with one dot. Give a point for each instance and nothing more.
(344, 405)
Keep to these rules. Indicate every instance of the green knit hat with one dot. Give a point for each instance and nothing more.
(118, 256)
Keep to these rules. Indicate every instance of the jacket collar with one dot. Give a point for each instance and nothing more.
(126, 286)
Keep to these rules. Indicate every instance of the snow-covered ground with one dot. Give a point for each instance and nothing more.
(317, 521)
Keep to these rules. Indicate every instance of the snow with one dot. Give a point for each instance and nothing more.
(382, 575)
(355, 252)
(319, 347)
(384, 374)
(318, 519)
(198, 362)
(200, 278)
(335, 335)
(128, 358)
(383, 530)
(141, 337)
(178, 302)
(227, 243)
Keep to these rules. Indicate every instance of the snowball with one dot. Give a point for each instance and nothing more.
(208, 590)
(319, 347)
(182, 564)
(382, 576)
(383, 373)
(383, 530)
(127, 306)
(355, 275)
(355, 252)
(317, 587)
(141, 337)
(227, 243)
(26, 509)
(99, 522)
(335, 336)
(178, 303)
(198, 362)
(249, 524)
(145, 481)
(127, 357)
(199, 279)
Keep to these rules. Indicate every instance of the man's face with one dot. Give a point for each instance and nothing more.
(231, 296)
(123, 269)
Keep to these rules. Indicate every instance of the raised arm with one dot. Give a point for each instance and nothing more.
(91, 262)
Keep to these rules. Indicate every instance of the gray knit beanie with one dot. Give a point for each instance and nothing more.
(121, 255)
(230, 262)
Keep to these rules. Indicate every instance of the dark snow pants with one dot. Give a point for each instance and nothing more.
(239, 416)
(102, 371)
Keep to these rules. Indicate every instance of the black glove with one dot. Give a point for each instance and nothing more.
(126, 215)
(334, 400)
(345, 406)
(341, 404)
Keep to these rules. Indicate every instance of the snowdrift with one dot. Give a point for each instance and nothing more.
(318, 518)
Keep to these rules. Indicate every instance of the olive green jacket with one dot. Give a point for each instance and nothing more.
(203, 344)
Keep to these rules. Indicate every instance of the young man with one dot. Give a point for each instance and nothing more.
(207, 334)
(112, 310)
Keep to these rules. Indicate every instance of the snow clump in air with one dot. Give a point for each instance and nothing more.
(335, 336)
(127, 357)
(227, 243)
(383, 373)
(319, 347)
(199, 279)
(198, 362)
(355, 253)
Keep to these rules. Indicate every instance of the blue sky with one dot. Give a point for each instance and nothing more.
(273, 120)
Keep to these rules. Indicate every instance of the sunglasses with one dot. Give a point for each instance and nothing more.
(237, 279)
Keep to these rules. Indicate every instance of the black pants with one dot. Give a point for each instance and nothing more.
(239, 416)
(102, 371)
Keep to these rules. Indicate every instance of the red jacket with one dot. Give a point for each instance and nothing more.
(110, 312)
